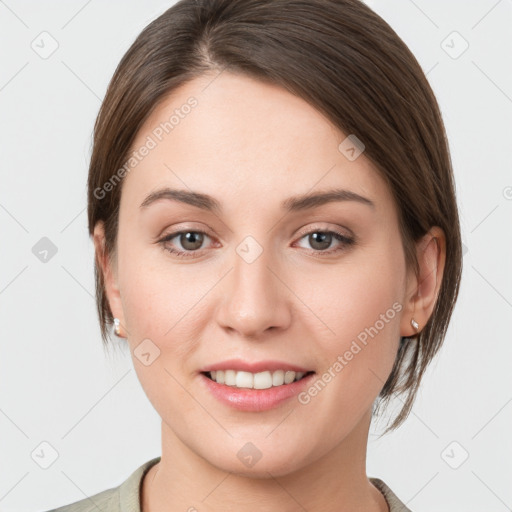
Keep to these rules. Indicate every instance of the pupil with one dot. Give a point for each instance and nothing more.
(193, 238)
(320, 238)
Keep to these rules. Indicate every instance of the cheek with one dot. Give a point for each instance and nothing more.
(151, 295)
(162, 301)
(354, 296)
(162, 306)
(361, 306)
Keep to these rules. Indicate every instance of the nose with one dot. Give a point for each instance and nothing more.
(254, 297)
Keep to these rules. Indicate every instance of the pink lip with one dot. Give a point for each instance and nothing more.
(255, 367)
(255, 400)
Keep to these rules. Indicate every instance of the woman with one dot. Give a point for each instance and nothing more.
(273, 210)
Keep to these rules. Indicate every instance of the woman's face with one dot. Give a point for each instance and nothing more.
(264, 278)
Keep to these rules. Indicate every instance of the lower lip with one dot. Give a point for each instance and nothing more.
(255, 400)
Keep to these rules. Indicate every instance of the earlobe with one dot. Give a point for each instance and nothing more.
(431, 254)
(109, 273)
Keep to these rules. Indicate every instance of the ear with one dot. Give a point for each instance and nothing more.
(108, 269)
(423, 290)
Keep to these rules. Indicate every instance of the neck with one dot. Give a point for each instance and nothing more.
(335, 482)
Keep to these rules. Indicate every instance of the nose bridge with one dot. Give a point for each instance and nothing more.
(254, 298)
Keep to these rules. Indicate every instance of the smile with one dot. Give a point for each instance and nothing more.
(260, 380)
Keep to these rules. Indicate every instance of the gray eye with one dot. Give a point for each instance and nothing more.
(191, 240)
(320, 240)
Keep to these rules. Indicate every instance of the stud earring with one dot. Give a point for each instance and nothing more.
(414, 324)
(117, 330)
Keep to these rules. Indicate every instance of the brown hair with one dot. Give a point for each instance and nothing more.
(340, 57)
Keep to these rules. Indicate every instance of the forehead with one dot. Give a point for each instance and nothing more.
(233, 136)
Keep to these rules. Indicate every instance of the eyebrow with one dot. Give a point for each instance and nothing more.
(292, 204)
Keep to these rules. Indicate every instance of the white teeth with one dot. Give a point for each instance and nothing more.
(289, 377)
(230, 378)
(244, 380)
(278, 378)
(261, 380)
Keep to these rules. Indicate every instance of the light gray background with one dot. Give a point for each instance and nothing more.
(56, 384)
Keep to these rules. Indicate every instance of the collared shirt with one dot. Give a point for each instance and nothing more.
(126, 497)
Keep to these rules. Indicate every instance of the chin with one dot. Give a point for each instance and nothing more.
(250, 463)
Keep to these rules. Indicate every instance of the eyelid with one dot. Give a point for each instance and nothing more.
(318, 227)
(345, 240)
(178, 228)
(302, 232)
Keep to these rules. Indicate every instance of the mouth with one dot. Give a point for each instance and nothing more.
(260, 380)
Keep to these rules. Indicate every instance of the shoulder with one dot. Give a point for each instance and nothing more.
(395, 505)
(124, 497)
(106, 501)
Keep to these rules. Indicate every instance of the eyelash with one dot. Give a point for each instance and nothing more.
(347, 241)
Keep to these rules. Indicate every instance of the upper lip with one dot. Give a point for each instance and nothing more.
(253, 367)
